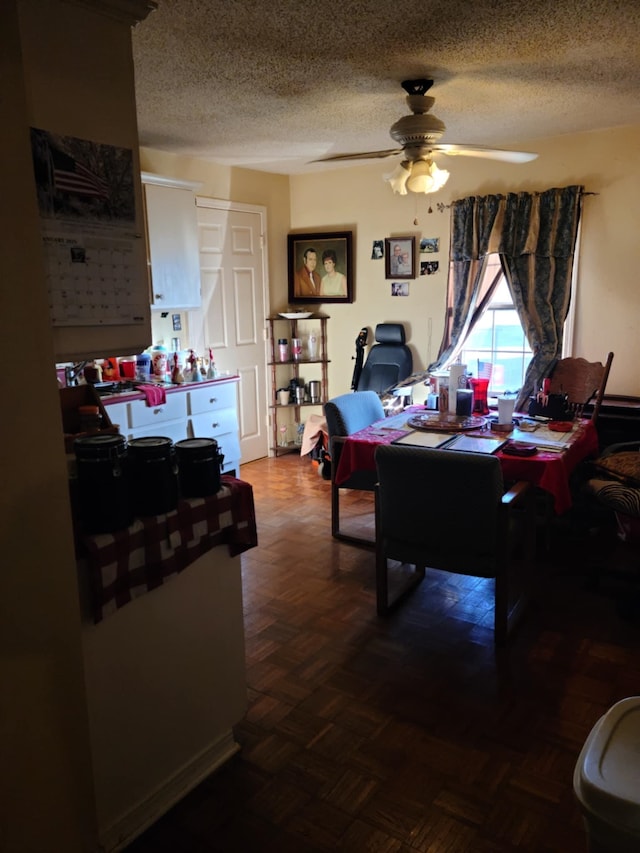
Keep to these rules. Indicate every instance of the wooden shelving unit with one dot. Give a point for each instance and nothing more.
(282, 372)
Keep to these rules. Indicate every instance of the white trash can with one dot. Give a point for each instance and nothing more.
(606, 780)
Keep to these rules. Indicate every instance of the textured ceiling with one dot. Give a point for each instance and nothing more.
(273, 84)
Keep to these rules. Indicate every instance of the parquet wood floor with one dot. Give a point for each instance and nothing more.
(408, 733)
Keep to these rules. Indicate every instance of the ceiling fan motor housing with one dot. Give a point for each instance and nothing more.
(421, 129)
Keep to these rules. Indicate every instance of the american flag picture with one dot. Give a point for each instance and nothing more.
(79, 178)
(71, 176)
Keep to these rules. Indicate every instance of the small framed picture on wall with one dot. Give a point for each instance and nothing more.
(400, 257)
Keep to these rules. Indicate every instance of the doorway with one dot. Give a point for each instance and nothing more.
(235, 302)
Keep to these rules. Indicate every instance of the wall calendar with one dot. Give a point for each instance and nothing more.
(94, 259)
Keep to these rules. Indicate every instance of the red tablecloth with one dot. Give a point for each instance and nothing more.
(126, 564)
(548, 471)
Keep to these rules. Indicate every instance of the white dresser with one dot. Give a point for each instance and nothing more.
(207, 409)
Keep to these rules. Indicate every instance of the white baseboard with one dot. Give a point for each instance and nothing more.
(134, 822)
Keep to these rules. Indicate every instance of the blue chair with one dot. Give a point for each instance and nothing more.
(345, 415)
(389, 360)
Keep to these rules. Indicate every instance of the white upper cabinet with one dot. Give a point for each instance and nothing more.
(172, 231)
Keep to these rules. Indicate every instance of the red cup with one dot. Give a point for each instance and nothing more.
(128, 369)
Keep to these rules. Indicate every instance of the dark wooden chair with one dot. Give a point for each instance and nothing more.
(581, 381)
(448, 510)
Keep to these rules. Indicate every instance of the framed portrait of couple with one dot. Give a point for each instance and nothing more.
(320, 267)
(399, 257)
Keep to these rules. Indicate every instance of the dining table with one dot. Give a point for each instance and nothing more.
(556, 455)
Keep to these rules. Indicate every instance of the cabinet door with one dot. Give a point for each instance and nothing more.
(172, 228)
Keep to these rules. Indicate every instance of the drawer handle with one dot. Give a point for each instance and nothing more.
(213, 399)
(158, 411)
(214, 425)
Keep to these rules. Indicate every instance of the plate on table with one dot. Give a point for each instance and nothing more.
(446, 422)
(298, 315)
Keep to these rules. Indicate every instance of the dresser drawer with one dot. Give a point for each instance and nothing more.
(229, 447)
(175, 430)
(118, 415)
(214, 423)
(141, 415)
(220, 396)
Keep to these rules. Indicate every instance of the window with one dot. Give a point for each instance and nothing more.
(498, 337)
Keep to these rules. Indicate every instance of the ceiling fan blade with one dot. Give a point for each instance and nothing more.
(368, 155)
(452, 150)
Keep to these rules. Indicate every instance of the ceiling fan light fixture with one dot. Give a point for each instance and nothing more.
(420, 180)
(421, 176)
(399, 177)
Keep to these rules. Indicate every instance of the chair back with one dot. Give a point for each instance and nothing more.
(349, 413)
(440, 506)
(345, 415)
(581, 381)
(389, 360)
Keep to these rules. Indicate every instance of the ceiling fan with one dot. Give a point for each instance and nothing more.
(419, 135)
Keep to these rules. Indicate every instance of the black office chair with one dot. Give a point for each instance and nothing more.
(448, 510)
(389, 360)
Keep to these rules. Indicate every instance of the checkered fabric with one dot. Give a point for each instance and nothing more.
(126, 564)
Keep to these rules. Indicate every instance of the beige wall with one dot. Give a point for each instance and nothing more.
(356, 198)
(608, 297)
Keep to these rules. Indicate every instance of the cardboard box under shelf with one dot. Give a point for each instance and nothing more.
(70, 401)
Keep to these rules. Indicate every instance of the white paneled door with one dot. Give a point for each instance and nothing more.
(233, 274)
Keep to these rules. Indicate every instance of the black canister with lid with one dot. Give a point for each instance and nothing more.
(153, 475)
(104, 503)
(199, 464)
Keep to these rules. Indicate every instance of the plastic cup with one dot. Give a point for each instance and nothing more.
(505, 409)
(128, 369)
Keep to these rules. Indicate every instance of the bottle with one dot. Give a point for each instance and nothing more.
(176, 374)
(211, 371)
(296, 348)
(159, 362)
(312, 346)
(283, 349)
(143, 366)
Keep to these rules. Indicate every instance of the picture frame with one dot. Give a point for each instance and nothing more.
(399, 257)
(333, 260)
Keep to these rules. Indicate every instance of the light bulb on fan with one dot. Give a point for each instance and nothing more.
(420, 176)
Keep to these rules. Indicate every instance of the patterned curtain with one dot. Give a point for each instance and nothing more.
(534, 235)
